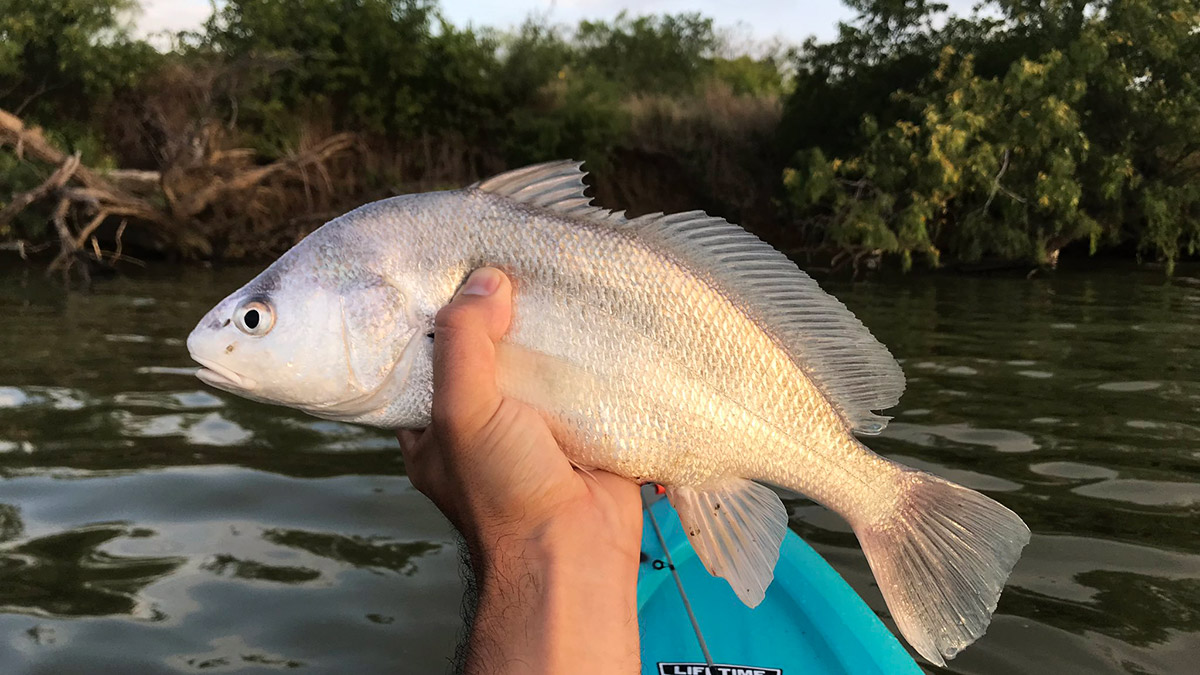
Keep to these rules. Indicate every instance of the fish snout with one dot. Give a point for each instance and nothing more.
(207, 347)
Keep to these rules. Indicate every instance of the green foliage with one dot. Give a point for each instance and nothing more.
(1060, 122)
(393, 68)
(62, 63)
(362, 60)
(434, 104)
(19, 176)
(62, 60)
(1030, 126)
(552, 107)
(668, 54)
(749, 76)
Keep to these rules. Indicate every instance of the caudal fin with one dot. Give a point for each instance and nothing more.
(941, 558)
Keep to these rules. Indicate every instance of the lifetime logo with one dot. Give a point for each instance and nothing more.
(715, 669)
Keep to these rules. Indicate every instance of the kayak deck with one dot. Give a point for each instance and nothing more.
(810, 622)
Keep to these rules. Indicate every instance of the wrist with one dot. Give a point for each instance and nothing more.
(555, 598)
(553, 551)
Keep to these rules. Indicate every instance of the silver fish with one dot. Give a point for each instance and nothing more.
(678, 349)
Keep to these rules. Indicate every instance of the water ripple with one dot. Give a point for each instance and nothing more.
(1002, 440)
(1143, 492)
(58, 398)
(146, 520)
(1129, 386)
(1073, 470)
(170, 400)
(198, 429)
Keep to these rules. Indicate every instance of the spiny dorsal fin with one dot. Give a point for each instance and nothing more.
(555, 186)
(855, 372)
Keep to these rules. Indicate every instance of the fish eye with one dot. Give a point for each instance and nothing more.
(255, 318)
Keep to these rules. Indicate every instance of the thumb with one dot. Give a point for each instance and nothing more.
(464, 353)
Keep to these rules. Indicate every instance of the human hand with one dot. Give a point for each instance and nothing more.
(560, 543)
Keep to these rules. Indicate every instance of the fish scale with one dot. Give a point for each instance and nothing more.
(734, 357)
(677, 349)
(724, 365)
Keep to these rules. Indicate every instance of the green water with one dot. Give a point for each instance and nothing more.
(149, 524)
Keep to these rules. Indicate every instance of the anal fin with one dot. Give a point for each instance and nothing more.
(736, 527)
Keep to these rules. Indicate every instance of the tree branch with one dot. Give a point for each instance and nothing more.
(52, 184)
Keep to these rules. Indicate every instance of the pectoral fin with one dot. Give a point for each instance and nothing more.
(736, 527)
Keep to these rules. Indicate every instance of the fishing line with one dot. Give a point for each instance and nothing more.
(678, 584)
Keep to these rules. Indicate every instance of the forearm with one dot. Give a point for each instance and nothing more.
(553, 603)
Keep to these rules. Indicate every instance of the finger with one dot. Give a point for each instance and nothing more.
(410, 449)
(487, 293)
(464, 353)
(611, 482)
(621, 492)
(408, 440)
(421, 463)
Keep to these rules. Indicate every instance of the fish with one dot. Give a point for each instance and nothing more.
(678, 349)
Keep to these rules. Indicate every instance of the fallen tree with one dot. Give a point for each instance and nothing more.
(171, 207)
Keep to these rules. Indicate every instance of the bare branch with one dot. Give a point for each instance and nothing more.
(52, 184)
(30, 140)
(67, 247)
(90, 228)
(171, 204)
(218, 188)
(996, 182)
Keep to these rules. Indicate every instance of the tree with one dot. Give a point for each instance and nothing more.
(359, 60)
(666, 54)
(1059, 122)
(64, 59)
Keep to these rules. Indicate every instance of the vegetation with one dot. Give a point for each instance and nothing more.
(1052, 123)
(1009, 135)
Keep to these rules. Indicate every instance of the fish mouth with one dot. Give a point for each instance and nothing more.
(221, 377)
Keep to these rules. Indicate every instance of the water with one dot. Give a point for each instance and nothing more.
(151, 525)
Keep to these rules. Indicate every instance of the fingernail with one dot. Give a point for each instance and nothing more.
(483, 281)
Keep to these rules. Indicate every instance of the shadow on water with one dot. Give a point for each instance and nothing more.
(148, 524)
(356, 551)
(69, 574)
(225, 564)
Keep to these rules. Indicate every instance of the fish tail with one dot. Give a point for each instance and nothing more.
(941, 556)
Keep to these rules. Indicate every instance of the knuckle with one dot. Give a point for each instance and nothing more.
(454, 317)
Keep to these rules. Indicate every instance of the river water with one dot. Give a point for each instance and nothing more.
(149, 524)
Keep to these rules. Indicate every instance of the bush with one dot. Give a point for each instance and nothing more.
(63, 62)
(1083, 126)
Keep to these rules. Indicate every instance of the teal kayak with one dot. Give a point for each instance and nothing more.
(811, 621)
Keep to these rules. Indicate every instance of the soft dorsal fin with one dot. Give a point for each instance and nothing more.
(855, 372)
(555, 186)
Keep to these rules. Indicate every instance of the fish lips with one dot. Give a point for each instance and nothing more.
(214, 374)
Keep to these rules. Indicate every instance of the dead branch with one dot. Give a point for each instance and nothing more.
(135, 180)
(996, 182)
(19, 246)
(52, 184)
(67, 247)
(31, 140)
(97, 193)
(90, 228)
(171, 205)
(219, 187)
